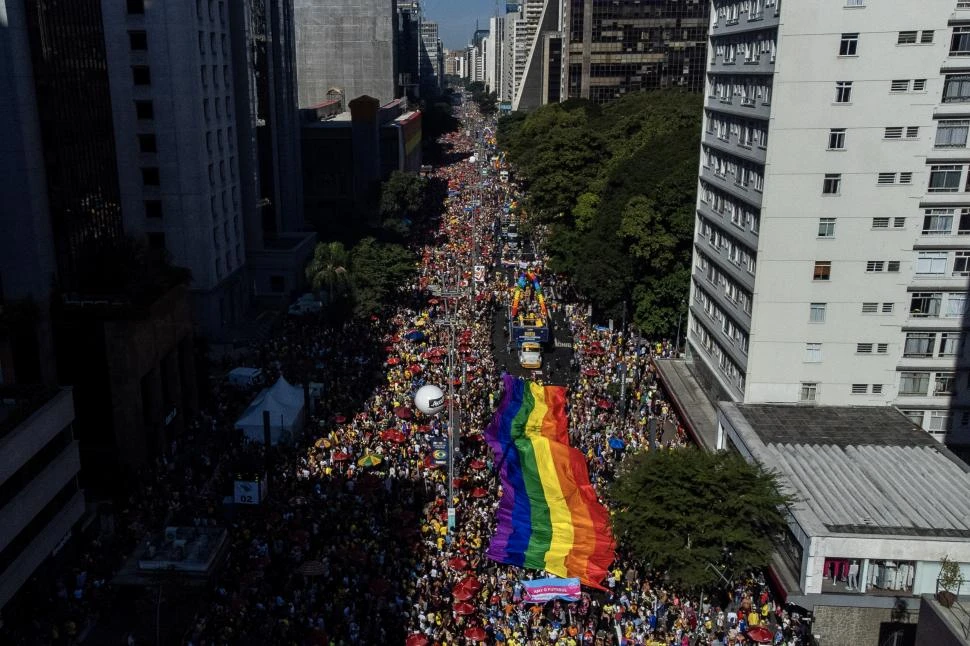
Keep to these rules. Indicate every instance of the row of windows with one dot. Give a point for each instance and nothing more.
(748, 90)
(813, 351)
(939, 423)
(212, 40)
(929, 264)
(205, 76)
(728, 368)
(938, 304)
(745, 174)
(729, 327)
(737, 252)
(925, 345)
(817, 311)
(731, 12)
(944, 178)
(918, 383)
(218, 104)
(750, 50)
(732, 290)
(741, 215)
(745, 133)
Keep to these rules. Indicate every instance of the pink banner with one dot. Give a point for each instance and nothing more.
(542, 590)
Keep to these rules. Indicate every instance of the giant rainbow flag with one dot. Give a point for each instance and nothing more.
(548, 517)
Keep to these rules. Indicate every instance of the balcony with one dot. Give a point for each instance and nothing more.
(749, 109)
(728, 185)
(753, 153)
(763, 64)
(745, 23)
(716, 292)
(745, 236)
(719, 257)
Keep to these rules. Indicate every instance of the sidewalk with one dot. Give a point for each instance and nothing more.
(692, 405)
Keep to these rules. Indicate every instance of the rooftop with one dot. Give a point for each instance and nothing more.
(857, 470)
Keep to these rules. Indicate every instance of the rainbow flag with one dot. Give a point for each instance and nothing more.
(548, 517)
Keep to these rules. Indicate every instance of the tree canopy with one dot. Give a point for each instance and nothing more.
(616, 187)
(403, 201)
(487, 101)
(684, 511)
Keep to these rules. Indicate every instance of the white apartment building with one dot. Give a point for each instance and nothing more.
(170, 67)
(831, 256)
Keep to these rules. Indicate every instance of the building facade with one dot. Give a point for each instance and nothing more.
(348, 45)
(613, 48)
(174, 103)
(431, 60)
(829, 262)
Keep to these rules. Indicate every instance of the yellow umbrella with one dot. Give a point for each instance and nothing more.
(369, 460)
(323, 443)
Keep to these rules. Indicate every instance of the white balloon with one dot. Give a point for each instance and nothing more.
(429, 399)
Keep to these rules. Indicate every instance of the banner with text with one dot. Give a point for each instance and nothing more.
(542, 590)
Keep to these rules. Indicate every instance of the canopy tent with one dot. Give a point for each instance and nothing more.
(284, 402)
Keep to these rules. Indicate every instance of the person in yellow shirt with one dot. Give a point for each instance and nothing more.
(753, 618)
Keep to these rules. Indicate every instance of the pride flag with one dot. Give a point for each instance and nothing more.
(548, 517)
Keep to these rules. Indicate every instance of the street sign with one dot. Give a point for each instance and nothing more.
(439, 452)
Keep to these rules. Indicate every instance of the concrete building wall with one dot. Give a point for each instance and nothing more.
(192, 122)
(794, 175)
(345, 44)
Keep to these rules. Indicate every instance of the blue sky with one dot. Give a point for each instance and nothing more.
(456, 18)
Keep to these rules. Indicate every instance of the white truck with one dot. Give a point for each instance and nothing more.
(530, 355)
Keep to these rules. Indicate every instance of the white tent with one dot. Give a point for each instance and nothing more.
(284, 402)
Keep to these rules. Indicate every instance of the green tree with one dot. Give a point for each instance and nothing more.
(403, 196)
(684, 511)
(378, 269)
(328, 271)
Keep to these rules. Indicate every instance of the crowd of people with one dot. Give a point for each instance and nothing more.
(353, 544)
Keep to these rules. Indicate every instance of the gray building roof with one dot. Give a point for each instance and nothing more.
(859, 470)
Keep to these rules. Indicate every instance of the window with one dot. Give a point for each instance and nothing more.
(849, 43)
(899, 85)
(138, 41)
(945, 178)
(863, 348)
(141, 75)
(931, 263)
(893, 132)
(837, 139)
(899, 223)
(136, 7)
(144, 110)
(823, 270)
(149, 176)
(949, 344)
(887, 308)
(941, 422)
(826, 227)
(153, 209)
(906, 38)
(882, 348)
(915, 416)
(832, 183)
(816, 312)
(914, 383)
(813, 352)
(855, 3)
(963, 225)
(843, 91)
(876, 389)
(809, 391)
(906, 178)
(919, 345)
(945, 382)
(961, 263)
(924, 304)
(951, 133)
(860, 389)
(912, 132)
(147, 144)
(956, 304)
(937, 222)
(870, 308)
(960, 41)
(956, 88)
(919, 85)
(886, 178)
(875, 266)
(926, 37)
(880, 223)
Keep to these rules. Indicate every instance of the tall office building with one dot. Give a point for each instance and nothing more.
(174, 102)
(431, 59)
(612, 48)
(348, 46)
(830, 263)
(40, 498)
(409, 47)
(494, 58)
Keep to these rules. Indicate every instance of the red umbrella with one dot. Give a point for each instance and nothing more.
(605, 404)
(479, 492)
(457, 563)
(478, 465)
(463, 608)
(340, 419)
(759, 634)
(475, 633)
(417, 639)
(591, 372)
(471, 583)
(437, 352)
(423, 428)
(436, 359)
(393, 361)
(403, 412)
(597, 351)
(393, 435)
(462, 594)
(415, 369)
(340, 456)
(433, 301)
(458, 482)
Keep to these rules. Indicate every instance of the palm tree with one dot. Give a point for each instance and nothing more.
(327, 270)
